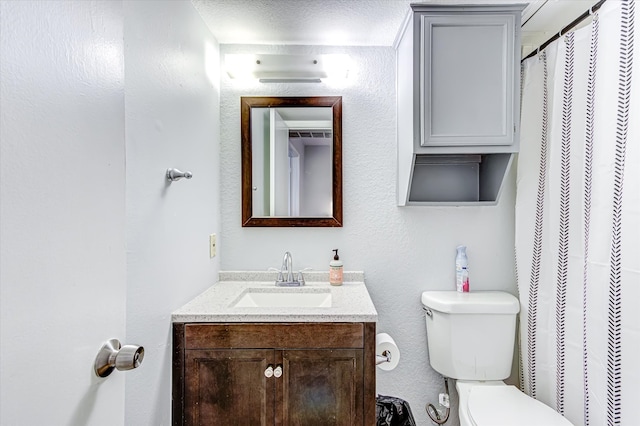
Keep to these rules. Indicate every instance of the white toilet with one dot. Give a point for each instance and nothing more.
(470, 338)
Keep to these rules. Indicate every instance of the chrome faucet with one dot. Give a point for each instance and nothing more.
(287, 266)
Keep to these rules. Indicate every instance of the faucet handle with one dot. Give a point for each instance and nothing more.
(300, 277)
(279, 271)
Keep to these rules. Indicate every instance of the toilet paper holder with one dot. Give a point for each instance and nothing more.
(385, 357)
(112, 356)
(387, 352)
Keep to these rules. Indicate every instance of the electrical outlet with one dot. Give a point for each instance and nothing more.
(212, 245)
(444, 400)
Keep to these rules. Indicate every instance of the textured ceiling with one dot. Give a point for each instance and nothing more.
(355, 22)
(305, 22)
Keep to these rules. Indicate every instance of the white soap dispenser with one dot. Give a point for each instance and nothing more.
(335, 270)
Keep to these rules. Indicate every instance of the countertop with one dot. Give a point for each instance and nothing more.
(350, 301)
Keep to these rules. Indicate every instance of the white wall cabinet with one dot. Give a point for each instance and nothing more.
(458, 85)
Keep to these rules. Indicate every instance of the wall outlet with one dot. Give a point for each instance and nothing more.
(212, 245)
(443, 399)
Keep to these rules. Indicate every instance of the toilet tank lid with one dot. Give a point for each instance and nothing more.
(475, 302)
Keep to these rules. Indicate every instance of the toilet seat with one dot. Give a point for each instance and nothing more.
(508, 406)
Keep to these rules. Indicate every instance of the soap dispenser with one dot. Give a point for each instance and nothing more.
(335, 270)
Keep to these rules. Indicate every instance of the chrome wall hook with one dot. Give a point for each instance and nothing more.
(175, 174)
(113, 355)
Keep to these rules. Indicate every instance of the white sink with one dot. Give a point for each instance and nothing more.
(283, 298)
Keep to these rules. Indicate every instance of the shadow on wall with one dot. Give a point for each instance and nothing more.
(84, 409)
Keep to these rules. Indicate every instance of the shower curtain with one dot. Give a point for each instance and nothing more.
(578, 221)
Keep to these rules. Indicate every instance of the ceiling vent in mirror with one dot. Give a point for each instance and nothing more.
(287, 68)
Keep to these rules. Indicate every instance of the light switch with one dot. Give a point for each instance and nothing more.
(212, 245)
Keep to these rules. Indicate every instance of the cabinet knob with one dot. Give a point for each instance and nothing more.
(278, 371)
(269, 371)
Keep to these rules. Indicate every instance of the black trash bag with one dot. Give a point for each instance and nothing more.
(392, 411)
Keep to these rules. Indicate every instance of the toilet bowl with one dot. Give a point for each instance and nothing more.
(470, 339)
(496, 404)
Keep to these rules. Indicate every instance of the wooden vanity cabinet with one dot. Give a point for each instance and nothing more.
(222, 376)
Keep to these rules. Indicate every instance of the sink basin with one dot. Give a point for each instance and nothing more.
(283, 298)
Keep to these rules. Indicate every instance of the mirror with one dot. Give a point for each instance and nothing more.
(291, 161)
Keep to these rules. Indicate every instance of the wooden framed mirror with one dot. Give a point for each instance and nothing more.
(291, 161)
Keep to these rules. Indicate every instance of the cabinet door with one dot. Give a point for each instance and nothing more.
(228, 387)
(320, 387)
(467, 70)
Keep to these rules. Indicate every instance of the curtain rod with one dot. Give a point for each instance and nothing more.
(566, 29)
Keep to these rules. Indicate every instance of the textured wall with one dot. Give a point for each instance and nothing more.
(172, 120)
(403, 251)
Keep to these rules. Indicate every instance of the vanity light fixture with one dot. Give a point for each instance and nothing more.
(287, 68)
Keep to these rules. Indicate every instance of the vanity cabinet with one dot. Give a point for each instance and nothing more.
(274, 374)
(458, 89)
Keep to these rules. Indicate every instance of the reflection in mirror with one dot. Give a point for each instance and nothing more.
(291, 159)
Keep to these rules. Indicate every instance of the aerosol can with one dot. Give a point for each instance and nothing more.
(462, 271)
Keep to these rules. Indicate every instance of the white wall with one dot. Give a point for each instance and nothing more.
(403, 250)
(62, 210)
(172, 120)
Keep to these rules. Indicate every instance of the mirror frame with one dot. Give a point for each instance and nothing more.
(248, 102)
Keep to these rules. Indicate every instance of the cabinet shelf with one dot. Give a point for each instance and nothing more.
(455, 179)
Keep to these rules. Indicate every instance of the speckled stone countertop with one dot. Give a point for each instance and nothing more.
(350, 301)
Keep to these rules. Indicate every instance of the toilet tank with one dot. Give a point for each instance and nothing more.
(471, 335)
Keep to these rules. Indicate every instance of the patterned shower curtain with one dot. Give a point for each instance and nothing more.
(578, 221)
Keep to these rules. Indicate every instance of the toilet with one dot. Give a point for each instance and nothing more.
(470, 339)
